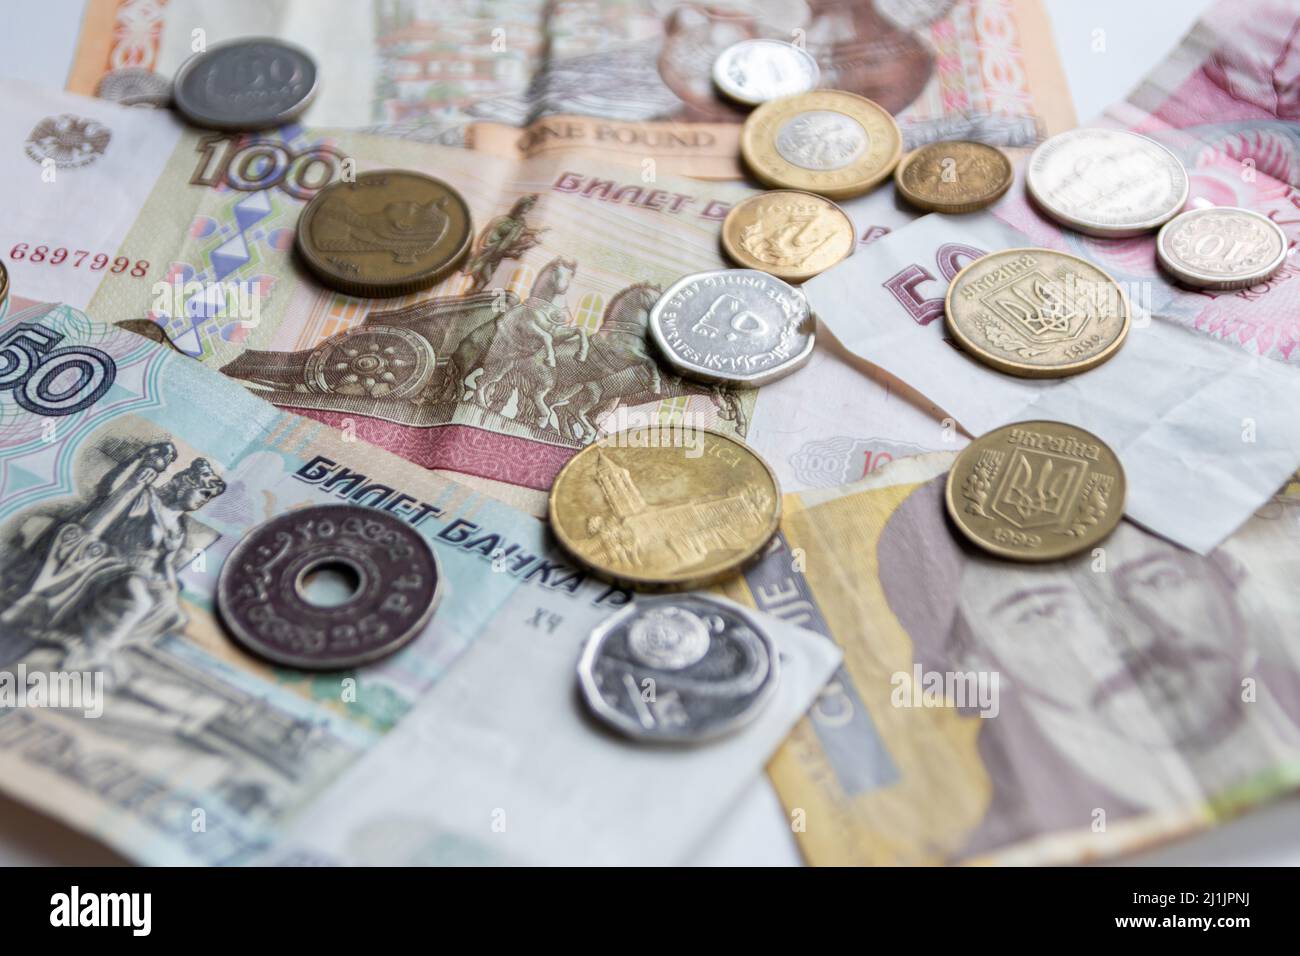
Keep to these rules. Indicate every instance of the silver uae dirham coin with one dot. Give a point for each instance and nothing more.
(392, 574)
(738, 326)
(755, 71)
(249, 84)
(679, 669)
(1106, 182)
(1221, 248)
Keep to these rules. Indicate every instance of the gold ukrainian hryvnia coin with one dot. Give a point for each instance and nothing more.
(1036, 491)
(1036, 313)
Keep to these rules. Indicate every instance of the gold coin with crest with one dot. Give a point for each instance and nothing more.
(789, 234)
(1036, 313)
(665, 508)
(1036, 491)
(828, 142)
(954, 177)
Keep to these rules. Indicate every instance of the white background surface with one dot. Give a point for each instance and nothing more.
(37, 45)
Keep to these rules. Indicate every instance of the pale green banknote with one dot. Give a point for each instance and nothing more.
(128, 473)
(189, 235)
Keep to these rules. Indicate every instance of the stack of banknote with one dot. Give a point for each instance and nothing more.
(935, 705)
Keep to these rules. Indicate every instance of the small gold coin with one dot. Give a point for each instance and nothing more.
(665, 509)
(954, 177)
(789, 234)
(1036, 313)
(1036, 491)
(389, 232)
(836, 144)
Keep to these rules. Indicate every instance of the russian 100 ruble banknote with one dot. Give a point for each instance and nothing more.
(188, 235)
(128, 474)
(1198, 403)
(620, 80)
(1028, 714)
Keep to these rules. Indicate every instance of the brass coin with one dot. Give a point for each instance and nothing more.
(1036, 491)
(4, 285)
(389, 232)
(829, 142)
(1036, 313)
(954, 177)
(789, 234)
(665, 508)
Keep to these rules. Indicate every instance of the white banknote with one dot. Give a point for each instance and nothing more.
(1206, 432)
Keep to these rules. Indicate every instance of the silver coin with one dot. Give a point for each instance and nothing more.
(395, 583)
(245, 85)
(1221, 247)
(736, 326)
(135, 86)
(755, 71)
(1106, 182)
(683, 668)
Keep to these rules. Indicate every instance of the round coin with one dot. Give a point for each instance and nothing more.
(789, 234)
(4, 287)
(262, 591)
(135, 86)
(733, 325)
(1106, 182)
(388, 232)
(828, 142)
(679, 669)
(1036, 313)
(954, 177)
(667, 507)
(1221, 247)
(755, 71)
(1036, 491)
(245, 84)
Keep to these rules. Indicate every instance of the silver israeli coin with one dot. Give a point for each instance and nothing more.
(683, 668)
(736, 326)
(755, 71)
(1106, 182)
(135, 86)
(387, 585)
(1221, 248)
(245, 85)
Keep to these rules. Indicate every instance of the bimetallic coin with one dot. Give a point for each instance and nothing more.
(1106, 182)
(264, 603)
(1221, 248)
(733, 325)
(789, 234)
(1036, 491)
(248, 84)
(679, 669)
(135, 86)
(1036, 313)
(389, 232)
(667, 508)
(755, 71)
(828, 142)
(954, 177)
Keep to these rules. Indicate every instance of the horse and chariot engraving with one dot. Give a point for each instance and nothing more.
(516, 360)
